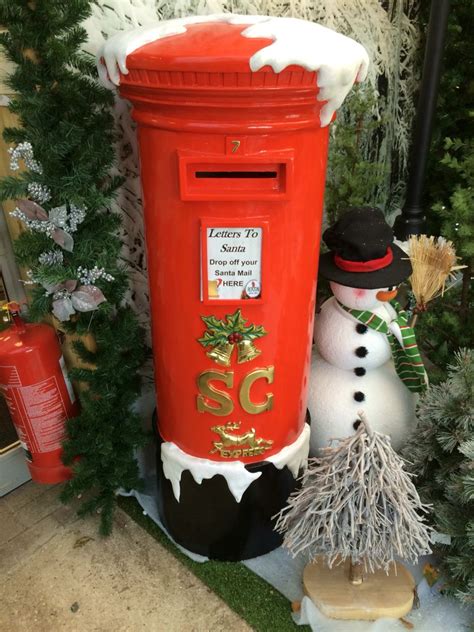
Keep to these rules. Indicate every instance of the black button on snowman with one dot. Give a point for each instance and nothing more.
(352, 367)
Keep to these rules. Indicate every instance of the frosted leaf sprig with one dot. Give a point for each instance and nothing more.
(38, 223)
(70, 219)
(89, 276)
(24, 151)
(57, 225)
(38, 192)
(69, 298)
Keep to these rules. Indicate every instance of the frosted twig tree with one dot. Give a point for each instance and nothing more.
(357, 502)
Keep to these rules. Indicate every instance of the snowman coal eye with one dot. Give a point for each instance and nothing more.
(389, 289)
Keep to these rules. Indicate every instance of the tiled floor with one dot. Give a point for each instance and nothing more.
(57, 574)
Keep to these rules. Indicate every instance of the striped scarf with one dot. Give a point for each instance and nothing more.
(407, 359)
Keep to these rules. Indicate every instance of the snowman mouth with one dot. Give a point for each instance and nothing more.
(386, 295)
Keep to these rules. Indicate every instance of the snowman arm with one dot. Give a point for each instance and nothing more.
(396, 331)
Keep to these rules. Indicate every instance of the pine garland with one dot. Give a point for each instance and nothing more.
(71, 246)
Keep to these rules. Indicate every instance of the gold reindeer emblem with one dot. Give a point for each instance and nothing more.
(255, 444)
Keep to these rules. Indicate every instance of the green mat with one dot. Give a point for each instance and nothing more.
(250, 596)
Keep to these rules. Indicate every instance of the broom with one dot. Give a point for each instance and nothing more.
(433, 261)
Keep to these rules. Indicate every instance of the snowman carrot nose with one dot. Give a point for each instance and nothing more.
(386, 295)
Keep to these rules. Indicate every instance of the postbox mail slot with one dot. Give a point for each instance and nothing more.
(235, 179)
(236, 174)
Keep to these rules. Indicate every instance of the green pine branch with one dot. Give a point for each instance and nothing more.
(13, 187)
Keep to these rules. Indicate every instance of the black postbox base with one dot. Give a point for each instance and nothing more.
(207, 519)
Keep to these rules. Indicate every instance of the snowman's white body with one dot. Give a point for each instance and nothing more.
(388, 404)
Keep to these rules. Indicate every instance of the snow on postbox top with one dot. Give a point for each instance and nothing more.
(284, 60)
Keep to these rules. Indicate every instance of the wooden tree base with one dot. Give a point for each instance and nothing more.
(379, 595)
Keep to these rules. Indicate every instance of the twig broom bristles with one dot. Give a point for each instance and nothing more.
(433, 261)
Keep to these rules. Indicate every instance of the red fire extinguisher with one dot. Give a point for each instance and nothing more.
(38, 393)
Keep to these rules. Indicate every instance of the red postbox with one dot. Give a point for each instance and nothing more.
(233, 162)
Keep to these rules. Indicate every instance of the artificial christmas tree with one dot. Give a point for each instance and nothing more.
(442, 453)
(357, 510)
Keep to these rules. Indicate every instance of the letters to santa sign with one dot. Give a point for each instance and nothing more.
(232, 262)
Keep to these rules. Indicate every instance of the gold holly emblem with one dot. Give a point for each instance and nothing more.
(255, 445)
(223, 335)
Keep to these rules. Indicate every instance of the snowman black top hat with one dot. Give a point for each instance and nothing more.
(363, 254)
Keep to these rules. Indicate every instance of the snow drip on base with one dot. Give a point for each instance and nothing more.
(175, 461)
(295, 455)
(238, 478)
(338, 60)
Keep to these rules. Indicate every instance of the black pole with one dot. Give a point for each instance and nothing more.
(412, 219)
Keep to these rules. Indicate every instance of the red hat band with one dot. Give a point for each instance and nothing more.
(364, 266)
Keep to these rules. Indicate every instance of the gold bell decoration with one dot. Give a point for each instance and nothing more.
(224, 334)
(222, 353)
(246, 351)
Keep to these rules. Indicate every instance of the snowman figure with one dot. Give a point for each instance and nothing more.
(366, 357)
